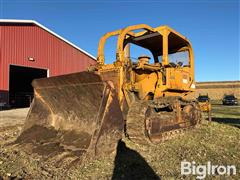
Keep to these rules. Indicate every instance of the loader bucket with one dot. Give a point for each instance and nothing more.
(76, 113)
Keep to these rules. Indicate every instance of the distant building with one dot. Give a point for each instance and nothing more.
(28, 50)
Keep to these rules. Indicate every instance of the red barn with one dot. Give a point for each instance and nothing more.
(28, 50)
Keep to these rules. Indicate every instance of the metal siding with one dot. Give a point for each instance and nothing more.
(20, 42)
(1, 70)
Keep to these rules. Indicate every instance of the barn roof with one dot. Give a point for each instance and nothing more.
(18, 21)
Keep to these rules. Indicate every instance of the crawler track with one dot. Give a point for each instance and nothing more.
(135, 125)
(144, 125)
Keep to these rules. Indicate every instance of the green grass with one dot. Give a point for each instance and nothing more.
(226, 115)
(226, 111)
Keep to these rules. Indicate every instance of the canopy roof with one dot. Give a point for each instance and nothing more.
(153, 41)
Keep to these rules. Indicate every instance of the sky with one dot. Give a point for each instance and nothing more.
(212, 26)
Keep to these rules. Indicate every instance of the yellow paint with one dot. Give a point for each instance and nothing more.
(205, 106)
(144, 79)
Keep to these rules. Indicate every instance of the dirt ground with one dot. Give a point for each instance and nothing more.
(13, 117)
(216, 141)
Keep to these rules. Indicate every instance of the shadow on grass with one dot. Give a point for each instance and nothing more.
(129, 164)
(230, 121)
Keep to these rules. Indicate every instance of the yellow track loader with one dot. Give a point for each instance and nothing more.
(90, 111)
(205, 105)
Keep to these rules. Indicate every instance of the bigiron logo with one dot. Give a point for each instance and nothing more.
(201, 171)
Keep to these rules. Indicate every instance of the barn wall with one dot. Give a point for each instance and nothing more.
(19, 42)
